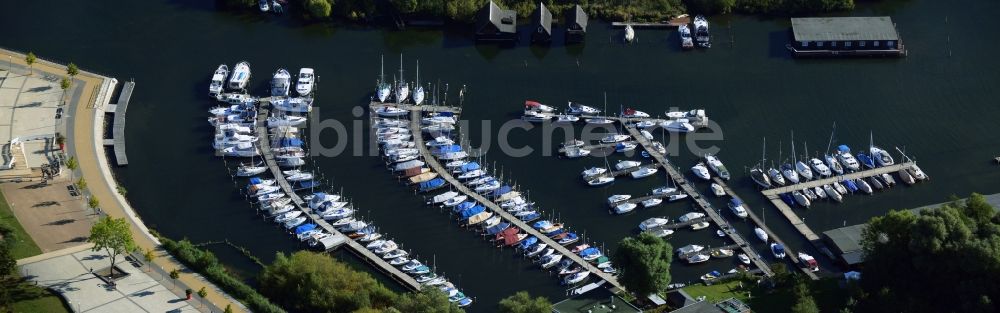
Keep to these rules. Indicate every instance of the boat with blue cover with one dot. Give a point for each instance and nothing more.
(570, 238)
(866, 160)
(530, 217)
(432, 184)
(498, 228)
(527, 242)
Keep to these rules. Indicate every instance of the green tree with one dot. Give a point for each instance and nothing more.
(644, 263)
(30, 59)
(113, 236)
(93, 203)
(521, 302)
(121, 190)
(955, 247)
(229, 309)
(72, 70)
(202, 293)
(81, 184)
(319, 8)
(149, 255)
(804, 302)
(64, 83)
(313, 282)
(7, 262)
(427, 300)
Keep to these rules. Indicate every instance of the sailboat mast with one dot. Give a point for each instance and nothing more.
(418, 72)
(795, 158)
(381, 71)
(830, 143)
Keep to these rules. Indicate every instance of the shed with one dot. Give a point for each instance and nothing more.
(542, 19)
(845, 243)
(496, 24)
(853, 35)
(576, 24)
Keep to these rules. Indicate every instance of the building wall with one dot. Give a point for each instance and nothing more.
(848, 45)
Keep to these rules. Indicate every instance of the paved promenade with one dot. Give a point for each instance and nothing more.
(85, 129)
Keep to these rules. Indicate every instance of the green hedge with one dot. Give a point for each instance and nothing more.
(208, 265)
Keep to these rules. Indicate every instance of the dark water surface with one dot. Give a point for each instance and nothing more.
(939, 103)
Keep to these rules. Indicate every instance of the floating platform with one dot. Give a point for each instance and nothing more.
(117, 140)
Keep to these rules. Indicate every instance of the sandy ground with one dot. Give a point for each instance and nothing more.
(51, 216)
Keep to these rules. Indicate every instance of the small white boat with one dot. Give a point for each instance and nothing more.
(833, 165)
(629, 33)
(626, 164)
(565, 118)
(690, 216)
(662, 232)
(685, 34)
(882, 157)
(247, 170)
(390, 111)
(580, 109)
(618, 198)
(644, 172)
(576, 278)
(717, 190)
(716, 166)
(832, 193)
(286, 121)
(688, 249)
(625, 208)
(804, 171)
(801, 199)
(653, 222)
(601, 180)
(599, 121)
(777, 250)
(531, 105)
(633, 113)
(839, 188)
(664, 190)
(737, 207)
(677, 126)
(218, 80)
(574, 153)
(761, 234)
(593, 171)
(241, 74)
(651, 202)
(700, 225)
(306, 81)
(722, 253)
(697, 258)
(701, 171)
(264, 6)
(820, 167)
(677, 196)
(613, 138)
(917, 172)
(280, 83)
(625, 146)
(863, 185)
(776, 176)
(533, 116)
(744, 258)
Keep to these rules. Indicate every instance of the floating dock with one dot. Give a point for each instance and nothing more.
(432, 162)
(117, 140)
(599, 146)
(829, 180)
(676, 225)
(682, 184)
(355, 247)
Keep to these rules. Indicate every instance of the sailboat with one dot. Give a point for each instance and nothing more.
(629, 33)
(800, 166)
(757, 172)
(881, 157)
(418, 92)
(402, 88)
(382, 88)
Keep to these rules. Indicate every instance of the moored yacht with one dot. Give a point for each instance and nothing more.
(305, 82)
(716, 165)
(701, 171)
(846, 159)
(580, 109)
(240, 77)
(218, 80)
(819, 167)
(280, 83)
(881, 156)
(685, 34)
(701, 35)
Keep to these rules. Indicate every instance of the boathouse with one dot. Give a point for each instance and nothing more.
(845, 36)
(496, 24)
(542, 20)
(576, 24)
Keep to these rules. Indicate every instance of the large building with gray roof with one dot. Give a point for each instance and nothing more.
(845, 36)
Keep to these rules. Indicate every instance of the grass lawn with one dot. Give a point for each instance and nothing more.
(829, 296)
(28, 298)
(22, 246)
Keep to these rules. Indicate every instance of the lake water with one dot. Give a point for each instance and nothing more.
(939, 104)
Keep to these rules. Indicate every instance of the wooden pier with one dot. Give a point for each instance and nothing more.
(355, 247)
(770, 234)
(597, 146)
(838, 178)
(647, 197)
(117, 140)
(415, 116)
(682, 184)
(632, 169)
(413, 107)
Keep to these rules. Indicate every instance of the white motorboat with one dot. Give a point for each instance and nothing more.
(917, 172)
(593, 171)
(306, 81)
(697, 258)
(535, 106)
(626, 164)
(790, 174)
(618, 198)
(292, 223)
(299, 177)
(832, 193)
(736, 206)
(633, 113)
(625, 146)
(677, 126)
(722, 253)
(744, 258)
(685, 34)
(863, 185)
(801, 199)
(625, 208)
(644, 172)
(839, 188)
(881, 156)
(761, 234)
(777, 250)
(298, 105)
(648, 203)
(532, 116)
(701, 34)
(280, 83)
(286, 121)
(287, 216)
(690, 216)
(833, 165)
(646, 134)
(601, 180)
(418, 90)
(818, 190)
(264, 5)
(663, 232)
(390, 111)
(676, 196)
(653, 222)
(645, 124)
(247, 170)
(848, 160)
(552, 260)
(441, 198)
(240, 150)
(700, 225)
(664, 190)
(776, 176)
(701, 171)
(804, 171)
(613, 138)
(576, 278)
(820, 167)
(629, 33)
(218, 80)
(717, 190)
(580, 109)
(566, 118)
(241, 75)
(599, 121)
(688, 249)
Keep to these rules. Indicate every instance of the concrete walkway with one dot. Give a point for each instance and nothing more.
(85, 141)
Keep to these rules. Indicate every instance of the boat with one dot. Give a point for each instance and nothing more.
(644, 172)
(270, 196)
(722, 253)
(295, 222)
(629, 33)
(866, 160)
(716, 166)
(389, 111)
(532, 116)
(285, 121)
(701, 35)
(736, 206)
(386, 247)
(574, 153)
(247, 170)
(820, 167)
(306, 81)
(851, 186)
(576, 278)
(776, 176)
(570, 238)
(399, 261)
(917, 172)
(618, 198)
(613, 138)
(833, 165)
(218, 80)
(701, 171)
(876, 183)
(264, 6)
(809, 194)
(287, 216)
(832, 193)
(531, 105)
(536, 249)
(677, 126)
(551, 260)
(624, 208)
(651, 202)
(697, 258)
(790, 174)
(720, 233)
(839, 188)
(241, 75)
(280, 83)
(633, 113)
(627, 164)
(809, 262)
(804, 171)
(662, 232)
(382, 88)
(580, 109)
(590, 254)
(653, 222)
(760, 177)
(600, 180)
(569, 270)
(418, 90)
(664, 190)
(881, 156)
(599, 121)
(593, 171)
(801, 199)
(402, 87)
(761, 234)
(889, 181)
(685, 34)
(700, 225)
(645, 124)
(744, 258)
(625, 146)
(675, 197)
(690, 216)
(444, 197)
(717, 190)
(906, 177)
(299, 177)
(777, 250)
(565, 118)
(844, 156)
